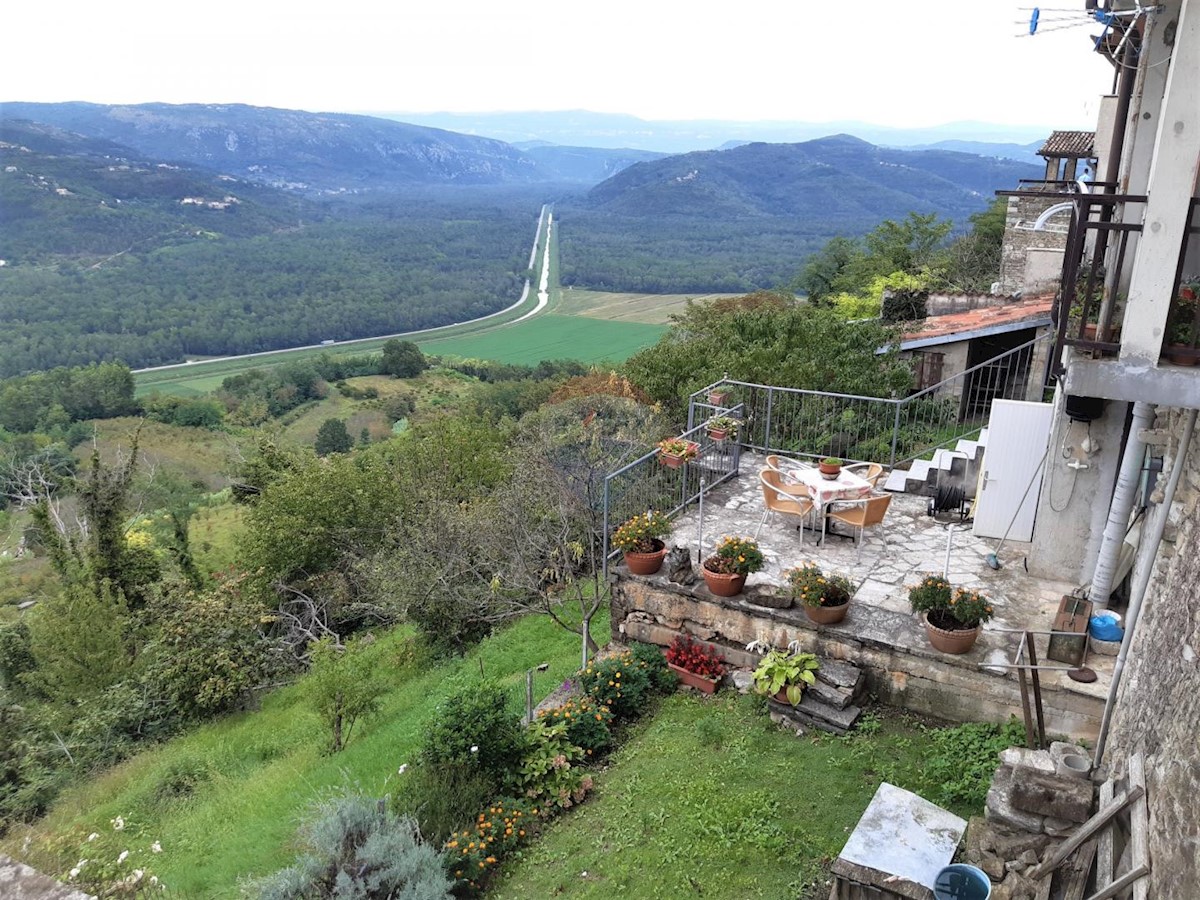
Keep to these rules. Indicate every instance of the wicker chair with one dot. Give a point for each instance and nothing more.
(862, 514)
(777, 499)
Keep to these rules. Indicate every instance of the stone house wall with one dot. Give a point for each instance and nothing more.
(1025, 210)
(1158, 705)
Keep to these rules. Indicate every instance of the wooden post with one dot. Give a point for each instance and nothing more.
(1037, 695)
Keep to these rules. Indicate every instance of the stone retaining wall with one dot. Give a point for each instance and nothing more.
(902, 668)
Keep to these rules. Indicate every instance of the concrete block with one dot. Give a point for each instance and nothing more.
(1023, 757)
(1000, 810)
(1061, 797)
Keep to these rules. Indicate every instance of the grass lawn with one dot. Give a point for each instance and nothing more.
(709, 799)
(553, 336)
(225, 799)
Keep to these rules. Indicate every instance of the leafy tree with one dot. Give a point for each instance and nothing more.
(402, 359)
(786, 343)
(333, 437)
(343, 687)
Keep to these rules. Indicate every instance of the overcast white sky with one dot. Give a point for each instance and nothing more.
(899, 64)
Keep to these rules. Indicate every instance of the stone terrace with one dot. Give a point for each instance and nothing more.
(879, 633)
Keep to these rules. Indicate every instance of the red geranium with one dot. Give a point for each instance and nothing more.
(695, 658)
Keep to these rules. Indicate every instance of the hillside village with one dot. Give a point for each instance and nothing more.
(878, 584)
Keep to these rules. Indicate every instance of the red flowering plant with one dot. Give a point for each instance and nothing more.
(695, 657)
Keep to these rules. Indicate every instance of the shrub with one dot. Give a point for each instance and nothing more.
(356, 849)
(343, 688)
(589, 724)
(933, 592)
(549, 773)
(477, 728)
(442, 798)
(617, 682)
(695, 658)
(650, 658)
(947, 609)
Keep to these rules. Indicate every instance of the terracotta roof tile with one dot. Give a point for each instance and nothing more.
(975, 320)
(1069, 145)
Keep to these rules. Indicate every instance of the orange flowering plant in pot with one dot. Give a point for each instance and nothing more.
(726, 570)
(953, 618)
(825, 598)
(640, 539)
(674, 452)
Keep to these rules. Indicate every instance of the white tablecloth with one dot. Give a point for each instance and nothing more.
(823, 491)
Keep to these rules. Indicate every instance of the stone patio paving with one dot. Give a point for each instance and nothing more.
(895, 554)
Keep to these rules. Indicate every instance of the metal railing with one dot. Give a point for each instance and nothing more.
(1090, 299)
(647, 483)
(817, 424)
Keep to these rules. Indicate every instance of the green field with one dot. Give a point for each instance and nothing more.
(650, 309)
(552, 336)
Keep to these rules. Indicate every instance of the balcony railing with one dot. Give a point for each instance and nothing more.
(1091, 298)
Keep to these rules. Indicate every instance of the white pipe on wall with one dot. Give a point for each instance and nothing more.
(1122, 505)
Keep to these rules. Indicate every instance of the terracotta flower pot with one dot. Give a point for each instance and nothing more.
(718, 434)
(646, 563)
(827, 615)
(1176, 358)
(691, 679)
(670, 461)
(721, 584)
(718, 398)
(947, 641)
(830, 472)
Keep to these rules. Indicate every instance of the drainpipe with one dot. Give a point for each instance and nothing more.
(1122, 505)
(1138, 592)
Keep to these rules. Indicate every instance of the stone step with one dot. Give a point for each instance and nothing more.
(814, 713)
(837, 697)
(840, 674)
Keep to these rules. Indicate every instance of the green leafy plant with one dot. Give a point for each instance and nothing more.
(785, 671)
(678, 446)
(727, 424)
(474, 853)
(617, 682)
(812, 587)
(736, 556)
(640, 533)
(344, 688)
(831, 461)
(931, 593)
(963, 759)
(549, 773)
(442, 798)
(1183, 326)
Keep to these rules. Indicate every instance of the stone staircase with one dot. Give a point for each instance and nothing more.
(957, 467)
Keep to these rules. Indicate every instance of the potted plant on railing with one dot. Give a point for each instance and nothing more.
(674, 452)
(830, 467)
(953, 618)
(721, 428)
(825, 598)
(640, 539)
(783, 675)
(718, 396)
(726, 570)
(697, 665)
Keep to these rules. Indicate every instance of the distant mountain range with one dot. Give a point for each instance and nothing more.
(590, 129)
(832, 179)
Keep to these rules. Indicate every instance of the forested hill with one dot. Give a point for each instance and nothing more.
(320, 151)
(746, 218)
(68, 196)
(839, 178)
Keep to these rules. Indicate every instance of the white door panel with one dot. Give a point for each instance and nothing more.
(1018, 432)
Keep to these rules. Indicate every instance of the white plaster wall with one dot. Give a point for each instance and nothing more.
(1043, 269)
(1073, 504)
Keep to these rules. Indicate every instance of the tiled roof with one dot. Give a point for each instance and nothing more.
(1069, 145)
(963, 325)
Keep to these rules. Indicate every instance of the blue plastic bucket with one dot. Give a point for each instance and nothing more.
(962, 882)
